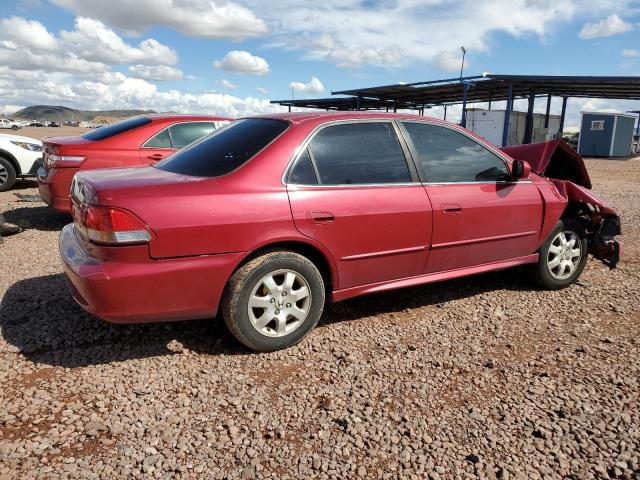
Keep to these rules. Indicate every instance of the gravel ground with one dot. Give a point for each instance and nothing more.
(482, 377)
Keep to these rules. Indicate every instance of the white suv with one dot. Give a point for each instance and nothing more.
(19, 157)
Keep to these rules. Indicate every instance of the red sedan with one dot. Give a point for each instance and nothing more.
(270, 217)
(133, 142)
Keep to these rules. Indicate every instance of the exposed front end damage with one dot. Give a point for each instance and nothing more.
(564, 168)
(599, 220)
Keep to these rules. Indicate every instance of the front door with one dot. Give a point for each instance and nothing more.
(480, 214)
(352, 190)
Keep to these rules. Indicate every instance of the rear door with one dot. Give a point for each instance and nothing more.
(480, 214)
(352, 190)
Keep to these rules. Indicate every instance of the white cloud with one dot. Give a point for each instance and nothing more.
(263, 91)
(450, 61)
(124, 93)
(228, 85)
(314, 86)
(630, 53)
(353, 33)
(612, 25)
(240, 61)
(92, 40)
(27, 33)
(89, 49)
(217, 19)
(10, 109)
(156, 72)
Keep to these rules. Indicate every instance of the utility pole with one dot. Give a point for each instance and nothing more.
(464, 52)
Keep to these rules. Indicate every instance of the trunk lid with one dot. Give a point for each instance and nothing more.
(555, 159)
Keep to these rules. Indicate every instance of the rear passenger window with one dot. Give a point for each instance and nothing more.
(159, 140)
(447, 156)
(359, 153)
(182, 134)
(302, 172)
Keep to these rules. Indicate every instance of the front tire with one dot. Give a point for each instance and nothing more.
(563, 256)
(273, 301)
(7, 175)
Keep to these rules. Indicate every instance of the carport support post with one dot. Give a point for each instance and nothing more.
(358, 102)
(528, 127)
(562, 115)
(546, 115)
(507, 114)
(445, 114)
(463, 122)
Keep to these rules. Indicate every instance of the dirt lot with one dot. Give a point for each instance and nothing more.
(41, 132)
(481, 377)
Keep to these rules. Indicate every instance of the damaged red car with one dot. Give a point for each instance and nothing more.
(269, 218)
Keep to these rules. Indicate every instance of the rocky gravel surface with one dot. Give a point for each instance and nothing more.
(485, 377)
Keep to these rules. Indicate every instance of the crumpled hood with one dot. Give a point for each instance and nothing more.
(554, 159)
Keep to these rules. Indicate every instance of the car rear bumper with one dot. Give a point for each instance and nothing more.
(127, 291)
(54, 185)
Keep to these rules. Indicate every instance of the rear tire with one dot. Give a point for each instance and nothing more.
(273, 301)
(7, 175)
(563, 256)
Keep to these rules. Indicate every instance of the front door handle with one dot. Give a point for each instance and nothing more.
(321, 217)
(155, 157)
(451, 208)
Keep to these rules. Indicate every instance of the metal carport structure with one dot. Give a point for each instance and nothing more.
(480, 88)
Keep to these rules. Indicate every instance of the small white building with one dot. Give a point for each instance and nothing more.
(489, 124)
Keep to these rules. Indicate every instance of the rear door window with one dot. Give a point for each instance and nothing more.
(182, 134)
(359, 154)
(303, 172)
(226, 149)
(162, 139)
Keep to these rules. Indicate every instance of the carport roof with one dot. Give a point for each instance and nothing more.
(480, 88)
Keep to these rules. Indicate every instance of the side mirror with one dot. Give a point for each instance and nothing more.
(520, 169)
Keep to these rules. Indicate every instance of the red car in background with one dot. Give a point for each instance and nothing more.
(134, 142)
(266, 219)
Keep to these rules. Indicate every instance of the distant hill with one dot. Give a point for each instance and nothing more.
(65, 114)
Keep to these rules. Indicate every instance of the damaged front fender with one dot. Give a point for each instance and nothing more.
(600, 220)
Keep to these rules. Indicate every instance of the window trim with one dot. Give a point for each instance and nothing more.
(413, 173)
(143, 147)
(422, 174)
(600, 124)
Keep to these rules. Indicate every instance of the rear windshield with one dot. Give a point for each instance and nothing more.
(224, 150)
(109, 131)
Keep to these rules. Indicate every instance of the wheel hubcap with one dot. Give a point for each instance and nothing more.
(279, 303)
(4, 174)
(564, 255)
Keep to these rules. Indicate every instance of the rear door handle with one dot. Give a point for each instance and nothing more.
(155, 156)
(321, 217)
(451, 208)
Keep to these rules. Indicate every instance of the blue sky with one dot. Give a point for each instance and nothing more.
(232, 57)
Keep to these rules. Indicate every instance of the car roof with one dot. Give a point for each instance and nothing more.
(159, 117)
(322, 117)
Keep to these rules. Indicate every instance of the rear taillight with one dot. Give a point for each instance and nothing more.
(110, 225)
(55, 160)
